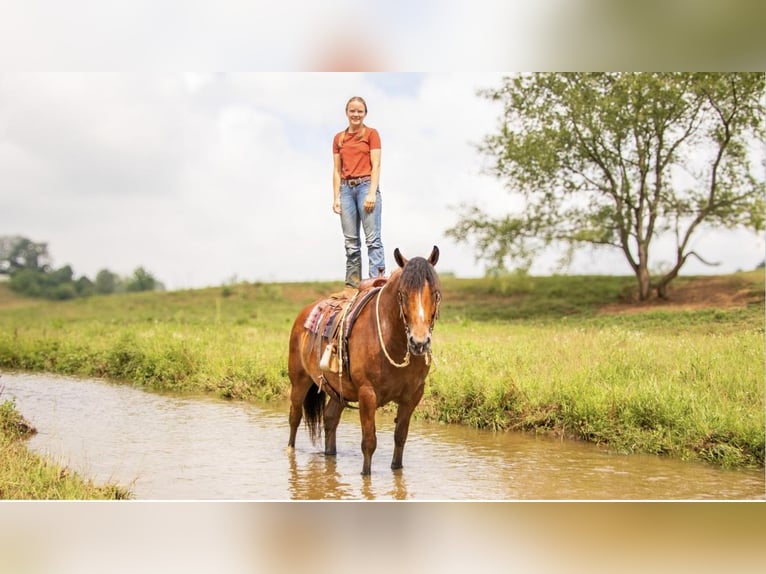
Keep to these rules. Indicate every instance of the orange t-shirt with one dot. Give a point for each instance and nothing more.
(355, 152)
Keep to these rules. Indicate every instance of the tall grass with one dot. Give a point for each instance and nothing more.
(692, 397)
(519, 352)
(179, 342)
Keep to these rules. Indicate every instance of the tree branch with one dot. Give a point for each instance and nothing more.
(698, 256)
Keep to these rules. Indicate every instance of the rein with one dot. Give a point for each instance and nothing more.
(406, 360)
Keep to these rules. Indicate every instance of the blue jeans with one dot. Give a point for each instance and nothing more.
(353, 215)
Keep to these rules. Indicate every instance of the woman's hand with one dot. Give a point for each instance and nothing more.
(336, 206)
(369, 202)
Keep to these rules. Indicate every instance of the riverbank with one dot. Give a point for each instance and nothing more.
(27, 476)
(570, 356)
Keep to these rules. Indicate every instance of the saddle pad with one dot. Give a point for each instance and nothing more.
(312, 321)
(329, 323)
(323, 315)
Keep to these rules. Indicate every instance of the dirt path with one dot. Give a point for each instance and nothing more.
(722, 292)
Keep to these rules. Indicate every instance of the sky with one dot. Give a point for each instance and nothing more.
(213, 178)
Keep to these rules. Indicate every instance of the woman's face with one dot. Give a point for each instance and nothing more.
(355, 113)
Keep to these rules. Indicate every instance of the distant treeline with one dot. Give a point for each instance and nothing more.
(27, 265)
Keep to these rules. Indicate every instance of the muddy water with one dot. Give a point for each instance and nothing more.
(166, 447)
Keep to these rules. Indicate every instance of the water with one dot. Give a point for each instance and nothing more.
(168, 448)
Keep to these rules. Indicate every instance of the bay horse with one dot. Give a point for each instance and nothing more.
(387, 358)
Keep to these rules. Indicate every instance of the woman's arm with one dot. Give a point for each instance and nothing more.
(336, 183)
(369, 201)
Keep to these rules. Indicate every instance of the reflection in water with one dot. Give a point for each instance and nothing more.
(367, 490)
(316, 479)
(399, 491)
(166, 447)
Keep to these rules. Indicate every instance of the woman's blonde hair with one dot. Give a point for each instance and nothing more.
(360, 134)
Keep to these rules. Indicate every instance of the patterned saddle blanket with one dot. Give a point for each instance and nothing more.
(325, 319)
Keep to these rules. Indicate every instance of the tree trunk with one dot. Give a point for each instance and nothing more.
(642, 273)
(662, 285)
(644, 282)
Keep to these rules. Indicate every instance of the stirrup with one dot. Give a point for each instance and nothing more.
(329, 360)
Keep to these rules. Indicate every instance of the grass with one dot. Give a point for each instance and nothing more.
(570, 356)
(625, 388)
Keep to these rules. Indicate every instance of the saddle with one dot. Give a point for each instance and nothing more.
(332, 319)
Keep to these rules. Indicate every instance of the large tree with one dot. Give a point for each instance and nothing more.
(620, 159)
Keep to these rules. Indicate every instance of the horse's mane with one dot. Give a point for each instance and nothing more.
(416, 273)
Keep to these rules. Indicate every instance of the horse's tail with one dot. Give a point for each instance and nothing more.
(313, 411)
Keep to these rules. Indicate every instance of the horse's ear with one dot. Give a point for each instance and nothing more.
(401, 260)
(434, 257)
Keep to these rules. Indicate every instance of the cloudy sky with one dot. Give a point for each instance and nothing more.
(208, 178)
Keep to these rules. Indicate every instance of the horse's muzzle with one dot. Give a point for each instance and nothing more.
(420, 347)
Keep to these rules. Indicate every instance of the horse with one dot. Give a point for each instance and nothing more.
(386, 359)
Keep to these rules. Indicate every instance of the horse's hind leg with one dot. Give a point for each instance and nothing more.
(300, 385)
(332, 414)
(296, 414)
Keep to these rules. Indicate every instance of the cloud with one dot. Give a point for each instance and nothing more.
(201, 178)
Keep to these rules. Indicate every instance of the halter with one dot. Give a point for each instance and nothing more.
(400, 300)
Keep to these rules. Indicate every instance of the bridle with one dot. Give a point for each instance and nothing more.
(402, 314)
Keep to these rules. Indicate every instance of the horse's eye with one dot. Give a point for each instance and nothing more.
(436, 307)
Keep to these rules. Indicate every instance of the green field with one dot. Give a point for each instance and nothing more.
(570, 356)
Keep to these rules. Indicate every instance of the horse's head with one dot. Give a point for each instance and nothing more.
(419, 296)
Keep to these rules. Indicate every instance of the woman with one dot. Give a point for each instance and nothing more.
(356, 196)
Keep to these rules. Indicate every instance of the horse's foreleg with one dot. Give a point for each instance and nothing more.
(332, 414)
(368, 402)
(403, 416)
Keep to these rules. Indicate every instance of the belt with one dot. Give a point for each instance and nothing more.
(354, 181)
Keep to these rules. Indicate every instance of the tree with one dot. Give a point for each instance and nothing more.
(18, 253)
(28, 282)
(106, 282)
(84, 287)
(61, 275)
(28, 265)
(619, 159)
(141, 280)
(51, 284)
